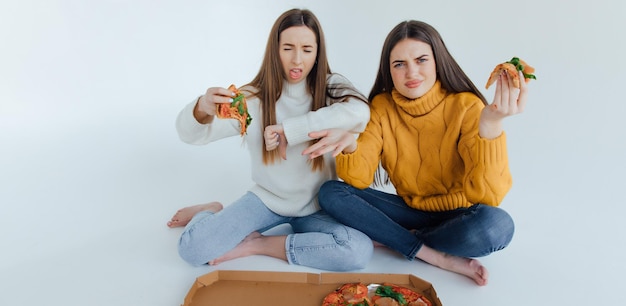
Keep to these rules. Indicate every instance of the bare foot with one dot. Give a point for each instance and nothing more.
(245, 248)
(184, 215)
(469, 267)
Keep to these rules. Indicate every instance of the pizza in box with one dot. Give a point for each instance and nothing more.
(385, 294)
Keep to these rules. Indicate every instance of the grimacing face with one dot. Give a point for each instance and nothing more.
(412, 67)
(298, 52)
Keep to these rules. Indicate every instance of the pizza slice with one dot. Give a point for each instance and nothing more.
(238, 109)
(511, 68)
(353, 294)
(393, 295)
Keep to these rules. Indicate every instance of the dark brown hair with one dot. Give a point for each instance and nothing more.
(269, 80)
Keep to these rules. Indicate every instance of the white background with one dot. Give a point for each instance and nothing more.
(91, 167)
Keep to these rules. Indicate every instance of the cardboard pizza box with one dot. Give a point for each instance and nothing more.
(261, 288)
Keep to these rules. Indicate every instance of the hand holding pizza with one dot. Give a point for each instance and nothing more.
(510, 96)
(208, 102)
(236, 108)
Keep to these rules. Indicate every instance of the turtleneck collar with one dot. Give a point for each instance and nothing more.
(297, 90)
(422, 105)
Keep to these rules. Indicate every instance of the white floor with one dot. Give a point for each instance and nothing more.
(91, 167)
(84, 223)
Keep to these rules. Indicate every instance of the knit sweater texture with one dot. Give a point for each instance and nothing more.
(287, 187)
(431, 150)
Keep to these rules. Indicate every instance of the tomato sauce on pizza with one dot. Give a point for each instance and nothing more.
(238, 110)
(387, 294)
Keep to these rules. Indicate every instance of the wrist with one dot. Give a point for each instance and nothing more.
(200, 115)
(490, 129)
(349, 149)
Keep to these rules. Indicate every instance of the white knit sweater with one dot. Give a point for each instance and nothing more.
(287, 187)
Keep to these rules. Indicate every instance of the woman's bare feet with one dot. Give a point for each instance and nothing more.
(256, 244)
(184, 215)
(469, 267)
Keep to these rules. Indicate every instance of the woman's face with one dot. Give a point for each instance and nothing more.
(413, 68)
(298, 52)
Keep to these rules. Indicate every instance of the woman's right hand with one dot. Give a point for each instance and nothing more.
(331, 140)
(508, 101)
(206, 106)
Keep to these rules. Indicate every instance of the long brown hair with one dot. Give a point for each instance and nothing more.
(269, 80)
(449, 73)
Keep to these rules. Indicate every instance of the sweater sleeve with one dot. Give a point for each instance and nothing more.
(193, 132)
(351, 115)
(359, 167)
(488, 178)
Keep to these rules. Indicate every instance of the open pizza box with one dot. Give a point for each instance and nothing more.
(260, 288)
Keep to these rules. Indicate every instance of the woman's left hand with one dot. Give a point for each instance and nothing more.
(330, 140)
(508, 100)
(274, 136)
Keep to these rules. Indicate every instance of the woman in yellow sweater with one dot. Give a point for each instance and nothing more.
(442, 147)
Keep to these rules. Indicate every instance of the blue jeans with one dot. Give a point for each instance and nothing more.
(467, 232)
(318, 241)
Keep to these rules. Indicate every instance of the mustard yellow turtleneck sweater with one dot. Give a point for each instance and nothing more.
(431, 150)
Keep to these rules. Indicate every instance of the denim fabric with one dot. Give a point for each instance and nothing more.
(318, 241)
(467, 232)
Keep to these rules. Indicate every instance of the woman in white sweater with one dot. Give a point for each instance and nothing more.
(293, 94)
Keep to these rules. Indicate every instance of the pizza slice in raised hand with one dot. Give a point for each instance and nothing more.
(511, 68)
(238, 109)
